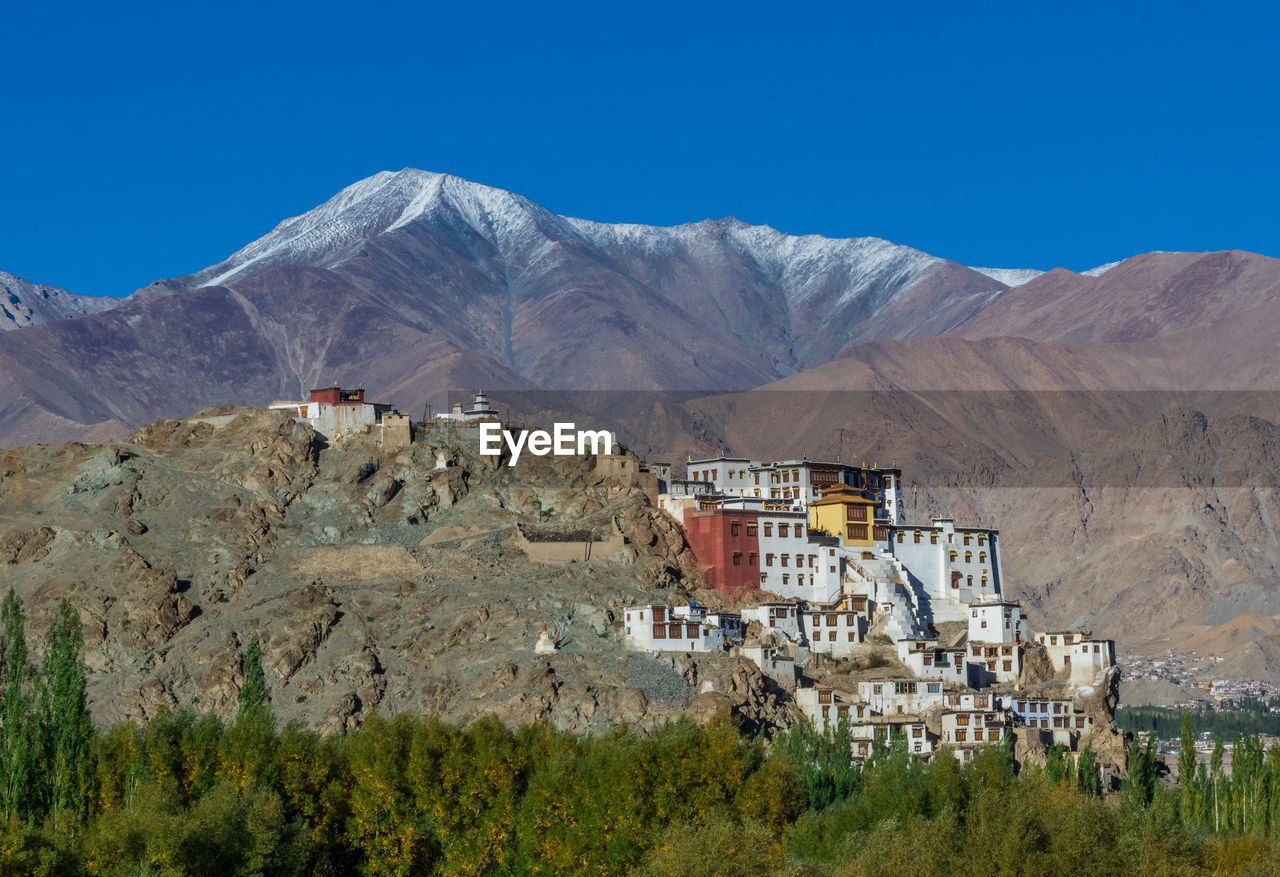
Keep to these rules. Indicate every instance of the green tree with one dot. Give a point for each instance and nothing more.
(1057, 766)
(66, 732)
(1187, 765)
(254, 696)
(18, 753)
(1140, 787)
(1088, 780)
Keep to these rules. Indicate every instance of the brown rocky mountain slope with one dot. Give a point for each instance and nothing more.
(372, 578)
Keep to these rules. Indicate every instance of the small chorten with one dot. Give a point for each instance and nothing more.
(546, 645)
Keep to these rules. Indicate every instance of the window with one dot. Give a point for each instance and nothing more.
(799, 531)
(817, 620)
(875, 689)
(714, 474)
(824, 695)
(857, 532)
(953, 555)
(757, 478)
(785, 578)
(962, 720)
(795, 475)
(691, 631)
(733, 528)
(934, 687)
(969, 582)
(784, 558)
(982, 540)
(768, 560)
(768, 529)
(916, 534)
(737, 558)
(966, 538)
(900, 538)
(753, 559)
(831, 621)
(831, 636)
(852, 637)
(1008, 665)
(673, 630)
(856, 512)
(982, 557)
(784, 530)
(960, 736)
(659, 614)
(968, 557)
(933, 538)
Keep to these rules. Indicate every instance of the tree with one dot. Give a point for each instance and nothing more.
(254, 696)
(1187, 764)
(1088, 780)
(18, 755)
(1057, 766)
(1140, 788)
(66, 732)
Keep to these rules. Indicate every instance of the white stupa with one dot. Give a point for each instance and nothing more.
(546, 645)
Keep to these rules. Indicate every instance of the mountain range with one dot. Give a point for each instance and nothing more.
(411, 282)
(1118, 423)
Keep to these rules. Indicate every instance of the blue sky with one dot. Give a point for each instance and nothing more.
(149, 140)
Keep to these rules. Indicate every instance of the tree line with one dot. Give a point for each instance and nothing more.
(189, 793)
(1247, 717)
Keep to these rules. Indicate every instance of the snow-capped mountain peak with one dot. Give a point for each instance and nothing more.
(382, 203)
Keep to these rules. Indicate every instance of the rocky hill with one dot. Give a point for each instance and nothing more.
(373, 578)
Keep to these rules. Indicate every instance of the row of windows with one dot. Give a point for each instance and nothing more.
(786, 578)
(933, 539)
(783, 560)
(673, 631)
(784, 530)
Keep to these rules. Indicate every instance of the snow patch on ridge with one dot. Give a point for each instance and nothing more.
(1011, 277)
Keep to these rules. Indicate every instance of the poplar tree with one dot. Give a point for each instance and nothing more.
(65, 730)
(254, 697)
(1187, 765)
(18, 751)
(1088, 780)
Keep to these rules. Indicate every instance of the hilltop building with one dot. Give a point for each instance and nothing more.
(480, 411)
(335, 413)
